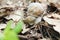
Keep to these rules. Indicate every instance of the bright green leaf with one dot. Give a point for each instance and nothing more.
(8, 27)
(1, 36)
(9, 34)
(19, 26)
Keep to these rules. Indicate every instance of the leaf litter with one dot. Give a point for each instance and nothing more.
(41, 18)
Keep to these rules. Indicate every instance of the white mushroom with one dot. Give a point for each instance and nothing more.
(35, 9)
(29, 19)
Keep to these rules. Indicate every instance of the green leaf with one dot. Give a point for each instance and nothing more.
(1, 36)
(8, 27)
(9, 34)
(19, 26)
